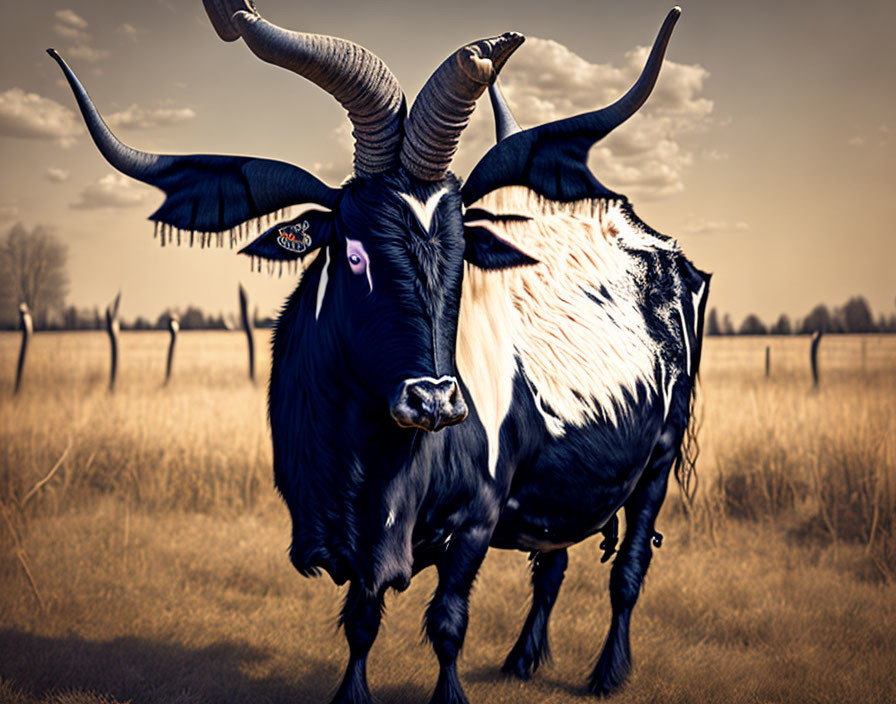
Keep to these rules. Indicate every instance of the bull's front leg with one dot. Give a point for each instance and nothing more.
(360, 618)
(446, 617)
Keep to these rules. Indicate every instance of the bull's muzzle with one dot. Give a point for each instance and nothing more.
(430, 404)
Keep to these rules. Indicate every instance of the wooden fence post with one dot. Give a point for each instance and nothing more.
(247, 327)
(27, 326)
(768, 361)
(113, 328)
(173, 327)
(813, 356)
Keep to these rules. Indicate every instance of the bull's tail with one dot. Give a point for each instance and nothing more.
(685, 467)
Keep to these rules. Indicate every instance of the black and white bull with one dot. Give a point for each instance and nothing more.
(531, 299)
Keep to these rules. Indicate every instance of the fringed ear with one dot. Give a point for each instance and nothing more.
(485, 248)
(293, 239)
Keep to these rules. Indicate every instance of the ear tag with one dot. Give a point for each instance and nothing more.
(295, 238)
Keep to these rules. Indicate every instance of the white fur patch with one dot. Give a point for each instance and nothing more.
(668, 384)
(686, 337)
(697, 297)
(322, 284)
(485, 350)
(580, 356)
(424, 211)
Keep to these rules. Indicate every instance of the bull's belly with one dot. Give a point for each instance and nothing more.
(570, 492)
(545, 521)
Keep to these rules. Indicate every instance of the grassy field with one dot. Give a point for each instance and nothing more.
(151, 566)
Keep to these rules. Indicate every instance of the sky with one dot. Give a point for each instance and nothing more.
(768, 148)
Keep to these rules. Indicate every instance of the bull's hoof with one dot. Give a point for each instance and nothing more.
(609, 677)
(353, 690)
(517, 666)
(448, 689)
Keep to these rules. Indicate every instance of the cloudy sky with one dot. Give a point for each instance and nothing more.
(767, 148)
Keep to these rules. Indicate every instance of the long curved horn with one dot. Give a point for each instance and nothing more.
(444, 105)
(552, 158)
(359, 80)
(206, 192)
(609, 118)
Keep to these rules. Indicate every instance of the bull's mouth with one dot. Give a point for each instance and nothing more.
(429, 404)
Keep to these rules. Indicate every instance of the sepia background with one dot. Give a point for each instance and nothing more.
(142, 546)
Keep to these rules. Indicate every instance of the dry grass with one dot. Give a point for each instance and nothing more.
(159, 548)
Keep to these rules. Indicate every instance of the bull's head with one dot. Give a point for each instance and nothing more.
(389, 245)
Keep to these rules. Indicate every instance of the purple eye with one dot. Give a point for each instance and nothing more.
(358, 260)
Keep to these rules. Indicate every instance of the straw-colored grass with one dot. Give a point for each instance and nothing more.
(158, 546)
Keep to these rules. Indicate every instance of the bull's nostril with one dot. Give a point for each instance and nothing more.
(415, 401)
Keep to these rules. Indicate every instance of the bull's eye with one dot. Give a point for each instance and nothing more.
(358, 260)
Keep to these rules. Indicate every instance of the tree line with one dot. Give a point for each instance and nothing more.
(34, 270)
(854, 316)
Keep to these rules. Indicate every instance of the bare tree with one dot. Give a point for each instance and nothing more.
(33, 270)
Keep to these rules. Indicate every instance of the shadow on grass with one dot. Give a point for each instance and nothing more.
(543, 680)
(139, 670)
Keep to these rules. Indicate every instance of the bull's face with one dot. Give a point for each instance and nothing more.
(387, 294)
(398, 267)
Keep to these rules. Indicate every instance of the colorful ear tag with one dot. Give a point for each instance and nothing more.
(295, 238)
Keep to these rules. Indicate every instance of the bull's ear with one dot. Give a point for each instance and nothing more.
(206, 193)
(485, 248)
(293, 239)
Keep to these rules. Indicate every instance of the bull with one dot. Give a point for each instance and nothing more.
(530, 302)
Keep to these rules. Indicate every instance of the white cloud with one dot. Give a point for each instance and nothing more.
(646, 157)
(856, 141)
(714, 227)
(70, 18)
(143, 118)
(112, 191)
(335, 172)
(56, 175)
(8, 212)
(32, 116)
(128, 30)
(85, 52)
(74, 34)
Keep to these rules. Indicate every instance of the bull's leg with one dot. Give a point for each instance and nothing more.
(446, 616)
(531, 647)
(361, 620)
(629, 568)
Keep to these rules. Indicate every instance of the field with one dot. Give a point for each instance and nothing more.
(143, 548)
